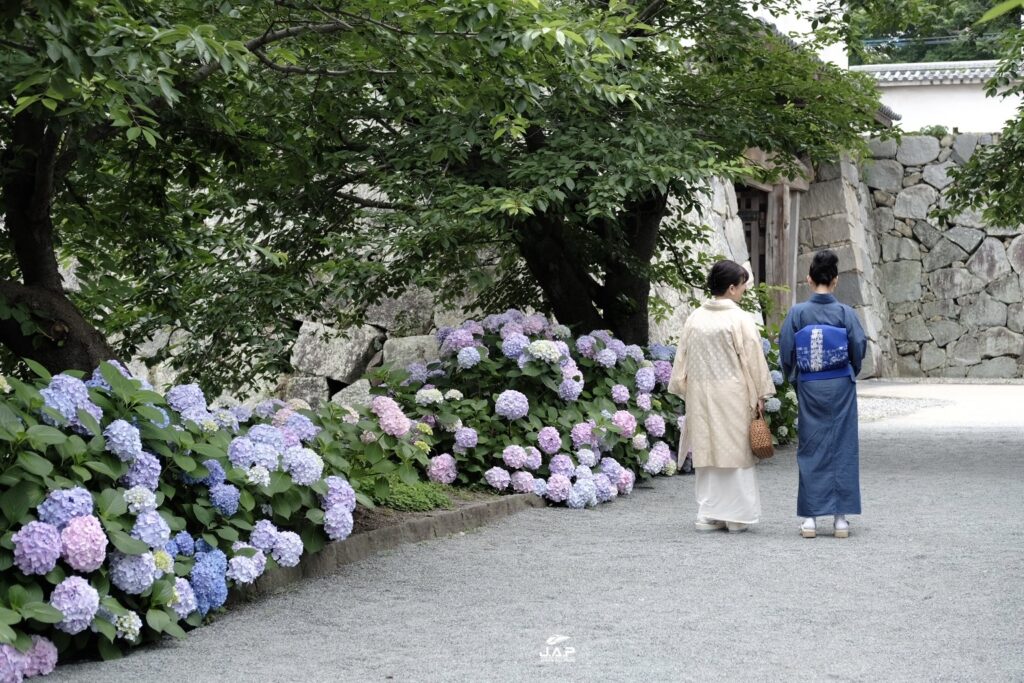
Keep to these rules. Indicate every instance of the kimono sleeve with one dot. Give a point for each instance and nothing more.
(755, 367)
(677, 382)
(856, 340)
(787, 346)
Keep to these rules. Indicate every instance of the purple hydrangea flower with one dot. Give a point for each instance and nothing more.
(41, 658)
(514, 456)
(151, 529)
(643, 401)
(338, 523)
(455, 341)
(287, 548)
(558, 488)
(612, 468)
(339, 492)
(77, 601)
(514, 345)
(655, 425)
(184, 601)
(549, 440)
(498, 478)
(264, 535)
(645, 380)
(208, 580)
(63, 505)
(466, 437)
(522, 482)
(187, 398)
(12, 664)
(392, 420)
(624, 420)
(582, 434)
(224, 498)
(662, 371)
(620, 394)
(512, 405)
(586, 457)
(67, 395)
(37, 547)
(509, 329)
(243, 569)
(626, 481)
(535, 324)
(586, 345)
(533, 459)
(305, 466)
(605, 489)
(442, 469)
(569, 390)
(635, 352)
(84, 544)
(619, 348)
(468, 357)
(562, 464)
(241, 413)
(123, 440)
(606, 358)
(144, 471)
(298, 423)
(132, 573)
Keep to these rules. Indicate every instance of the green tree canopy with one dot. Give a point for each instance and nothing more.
(226, 168)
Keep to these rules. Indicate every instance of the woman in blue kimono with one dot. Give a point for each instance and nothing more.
(821, 347)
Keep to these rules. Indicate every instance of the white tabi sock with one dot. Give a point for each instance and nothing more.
(841, 522)
(808, 523)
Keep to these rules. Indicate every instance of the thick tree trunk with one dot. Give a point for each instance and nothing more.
(55, 332)
(627, 283)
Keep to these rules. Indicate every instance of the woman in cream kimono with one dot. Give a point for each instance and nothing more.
(721, 373)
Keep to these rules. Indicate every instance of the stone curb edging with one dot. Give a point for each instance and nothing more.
(361, 546)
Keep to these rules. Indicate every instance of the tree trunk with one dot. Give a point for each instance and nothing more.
(627, 280)
(52, 331)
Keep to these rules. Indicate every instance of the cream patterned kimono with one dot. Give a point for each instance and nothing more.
(720, 372)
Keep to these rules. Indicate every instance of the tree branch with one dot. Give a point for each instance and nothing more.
(310, 71)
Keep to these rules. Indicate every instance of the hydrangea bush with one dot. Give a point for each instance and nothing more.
(127, 514)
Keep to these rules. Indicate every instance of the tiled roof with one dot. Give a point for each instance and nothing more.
(935, 73)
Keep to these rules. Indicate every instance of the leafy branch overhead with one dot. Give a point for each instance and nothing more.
(223, 170)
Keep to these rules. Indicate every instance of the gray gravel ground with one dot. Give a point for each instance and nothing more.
(929, 586)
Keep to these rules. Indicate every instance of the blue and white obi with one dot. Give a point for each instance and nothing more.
(822, 352)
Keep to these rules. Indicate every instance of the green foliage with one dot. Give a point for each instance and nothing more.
(420, 496)
(224, 171)
(927, 31)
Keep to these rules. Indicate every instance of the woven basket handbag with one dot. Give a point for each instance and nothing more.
(761, 437)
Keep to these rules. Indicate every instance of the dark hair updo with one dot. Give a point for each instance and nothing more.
(725, 274)
(824, 267)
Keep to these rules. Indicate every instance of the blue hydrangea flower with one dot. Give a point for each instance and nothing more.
(772, 405)
(662, 352)
(586, 457)
(766, 346)
(339, 492)
(224, 498)
(184, 601)
(514, 345)
(185, 544)
(240, 451)
(63, 505)
(466, 437)
(187, 398)
(468, 357)
(605, 489)
(208, 580)
(417, 373)
(243, 570)
(606, 358)
(264, 535)
(301, 426)
(569, 390)
(645, 380)
(635, 352)
(144, 471)
(269, 435)
(267, 456)
(304, 465)
(338, 523)
(37, 547)
(132, 573)
(77, 601)
(123, 440)
(67, 395)
(287, 549)
(777, 378)
(242, 413)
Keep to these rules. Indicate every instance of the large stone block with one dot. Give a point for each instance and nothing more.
(850, 289)
(989, 262)
(884, 174)
(838, 169)
(995, 368)
(967, 239)
(883, 220)
(944, 331)
(937, 175)
(917, 150)
(999, 341)
(926, 234)
(915, 201)
(971, 218)
(964, 351)
(900, 248)
(1015, 317)
(932, 357)
(341, 355)
(1007, 289)
(882, 149)
(736, 239)
(944, 308)
(402, 351)
(981, 310)
(901, 281)
(1015, 254)
(409, 314)
(912, 329)
(908, 366)
(356, 394)
(311, 389)
(964, 146)
(827, 199)
(943, 254)
(953, 283)
(829, 230)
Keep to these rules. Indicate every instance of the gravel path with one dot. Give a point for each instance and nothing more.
(930, 585)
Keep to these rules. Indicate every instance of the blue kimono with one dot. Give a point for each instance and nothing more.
(822, 345)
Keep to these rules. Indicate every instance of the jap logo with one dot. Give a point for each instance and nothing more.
(557, 651)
